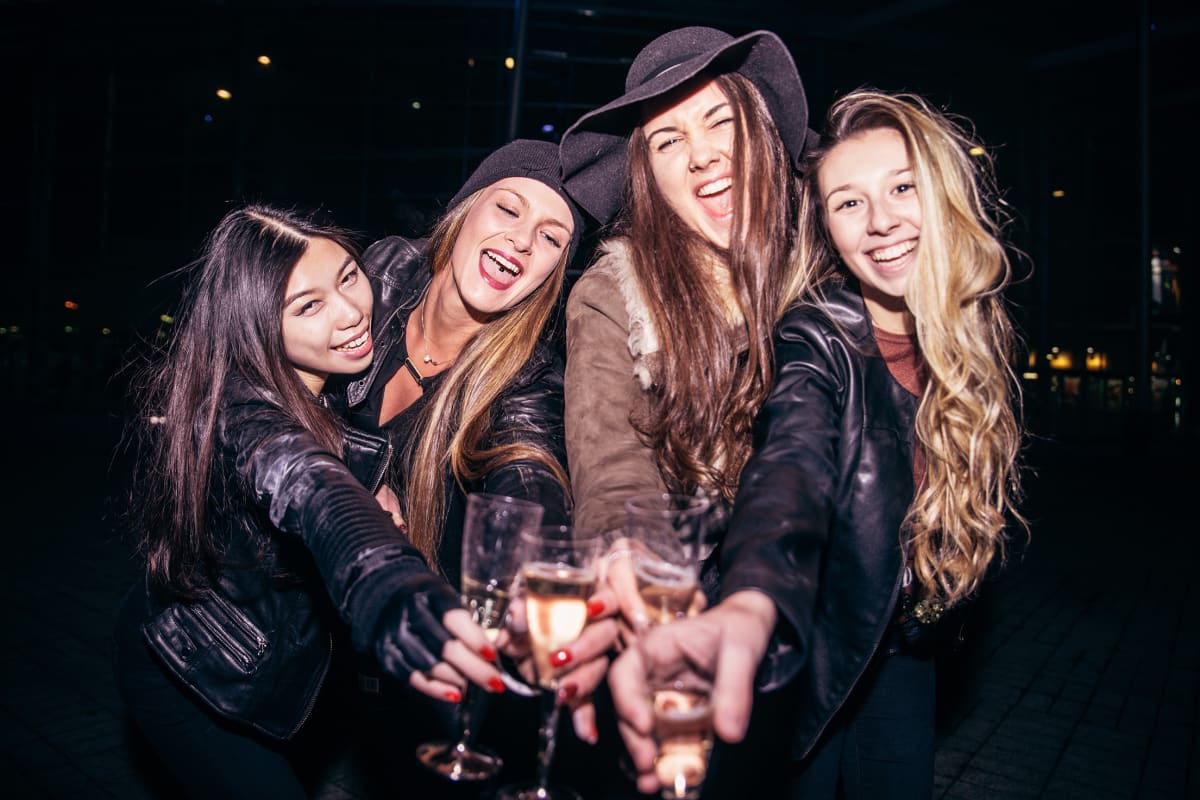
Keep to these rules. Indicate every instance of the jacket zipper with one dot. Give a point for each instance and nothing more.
(237, 649)
(377, 478)
(308, 709)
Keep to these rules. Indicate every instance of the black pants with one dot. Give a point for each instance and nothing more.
(880, 745)
(208, 756)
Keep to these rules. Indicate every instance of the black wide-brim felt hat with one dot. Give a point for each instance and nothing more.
(594, 148)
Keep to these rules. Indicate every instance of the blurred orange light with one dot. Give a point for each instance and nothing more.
(264, 60)
(224, 94)
(71, 304)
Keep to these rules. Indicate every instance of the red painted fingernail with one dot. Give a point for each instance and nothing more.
(453, 696)
(495, 684)
(567, 691)
(560, 658)
(488, 652)
(595, 608)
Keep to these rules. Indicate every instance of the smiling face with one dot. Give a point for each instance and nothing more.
(513, 238)
(327, 315)
(874, 218)
(690, 145)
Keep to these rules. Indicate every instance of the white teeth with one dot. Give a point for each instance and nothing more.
(893, 252)
(714, 187)
(357, 343)
(503, 264)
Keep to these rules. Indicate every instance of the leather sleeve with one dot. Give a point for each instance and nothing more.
(785, 504)
(608, 461)
(308, 492)
(533, 414)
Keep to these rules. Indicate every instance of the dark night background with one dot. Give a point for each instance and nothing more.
(1079, 676)
(121, 155)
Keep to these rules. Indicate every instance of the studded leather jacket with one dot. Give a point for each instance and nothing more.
(305, 543)
(817, 519)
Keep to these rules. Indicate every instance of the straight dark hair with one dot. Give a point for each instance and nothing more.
(230, 324)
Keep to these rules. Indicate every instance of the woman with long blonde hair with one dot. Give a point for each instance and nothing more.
(466, 383)
(884, 475)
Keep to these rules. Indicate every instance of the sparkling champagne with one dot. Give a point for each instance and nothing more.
(556, 604)
(487, 603)
(683, 730)
(666, 589)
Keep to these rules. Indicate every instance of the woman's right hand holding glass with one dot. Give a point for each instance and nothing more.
(425, 636)
(468, 656)
(724, 645)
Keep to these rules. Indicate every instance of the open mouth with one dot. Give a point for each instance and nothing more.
(503, 265)
(716, 197)
(498, 270)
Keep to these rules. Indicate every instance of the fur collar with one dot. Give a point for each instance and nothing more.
(614, 261)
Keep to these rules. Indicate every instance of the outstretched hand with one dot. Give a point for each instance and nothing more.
(428, 638)
(724, 644)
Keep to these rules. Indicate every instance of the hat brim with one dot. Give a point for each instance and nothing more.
(594, 149)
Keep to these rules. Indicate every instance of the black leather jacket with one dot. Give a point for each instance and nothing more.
(816, 521)
(299, 531)
(530, 410)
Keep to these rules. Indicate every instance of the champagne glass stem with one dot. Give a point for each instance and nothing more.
(466, 713)
(547, 737)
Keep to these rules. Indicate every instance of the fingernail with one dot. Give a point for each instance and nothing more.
(560, 658)
(567, 691)
(488, 652)
(495, 684)
(453, 696)
(595, 608)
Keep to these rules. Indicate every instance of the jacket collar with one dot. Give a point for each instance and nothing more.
(399, 275)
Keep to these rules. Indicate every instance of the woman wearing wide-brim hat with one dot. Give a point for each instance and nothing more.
(669, 330)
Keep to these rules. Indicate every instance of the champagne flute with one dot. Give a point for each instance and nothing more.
(665, 533)
(681, 699)
(558, 576)
(492, 530)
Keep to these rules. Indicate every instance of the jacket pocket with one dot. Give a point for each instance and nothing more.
(183, 632)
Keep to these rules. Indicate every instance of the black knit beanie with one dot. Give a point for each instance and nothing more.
(524, 158)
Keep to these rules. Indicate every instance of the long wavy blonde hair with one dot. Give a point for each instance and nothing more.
(968, 421)
(455, 429)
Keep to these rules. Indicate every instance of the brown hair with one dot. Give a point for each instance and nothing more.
(706, 391)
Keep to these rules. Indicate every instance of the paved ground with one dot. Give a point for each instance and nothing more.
(1078, 676)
